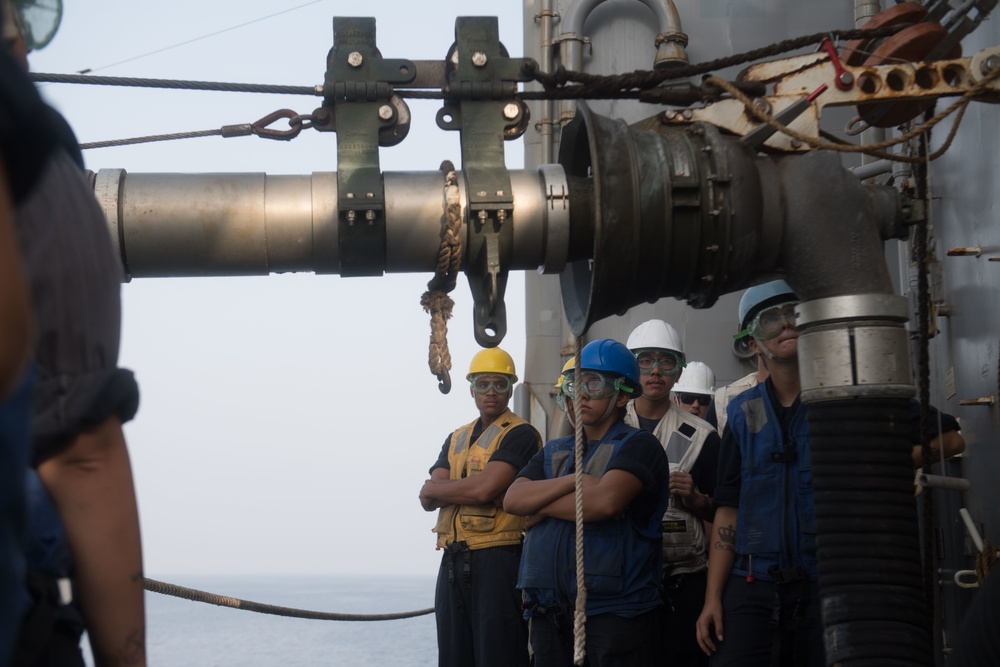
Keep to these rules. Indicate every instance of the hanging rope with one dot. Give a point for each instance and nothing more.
(435, 300)
(580, 611)
(247, 605)
(985, 560)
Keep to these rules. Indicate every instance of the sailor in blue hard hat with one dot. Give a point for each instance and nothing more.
(624, 476)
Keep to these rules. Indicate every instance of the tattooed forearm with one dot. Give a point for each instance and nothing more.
(727, 538)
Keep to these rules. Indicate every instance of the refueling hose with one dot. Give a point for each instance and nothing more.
(868, 546)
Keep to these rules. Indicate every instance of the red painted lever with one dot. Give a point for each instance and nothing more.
(844, 79)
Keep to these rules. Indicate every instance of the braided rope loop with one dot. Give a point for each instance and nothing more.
(435, 300)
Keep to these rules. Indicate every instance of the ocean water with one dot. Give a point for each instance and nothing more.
(182, 633)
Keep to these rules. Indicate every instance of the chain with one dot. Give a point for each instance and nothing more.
(594, 86)
(920, 239)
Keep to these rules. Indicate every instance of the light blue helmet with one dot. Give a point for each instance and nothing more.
(611, 357)
(759, 297)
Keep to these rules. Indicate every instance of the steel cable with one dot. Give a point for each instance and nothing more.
(261, 608)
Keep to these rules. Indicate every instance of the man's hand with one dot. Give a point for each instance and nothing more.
(709, 620)
(427, 501)
(682, 486)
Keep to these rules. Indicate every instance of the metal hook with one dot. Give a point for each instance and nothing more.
(444, 386)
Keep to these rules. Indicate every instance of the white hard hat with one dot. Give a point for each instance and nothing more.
(697, 378)
(655, 334)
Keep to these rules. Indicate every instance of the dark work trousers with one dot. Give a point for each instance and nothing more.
(612, 641)
(749, 611)
(478, 609)
(684, 595)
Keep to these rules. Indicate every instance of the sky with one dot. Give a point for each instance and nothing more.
(287, 422)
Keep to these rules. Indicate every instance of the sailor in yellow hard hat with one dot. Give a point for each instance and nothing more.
(477, 604)
(563, 400)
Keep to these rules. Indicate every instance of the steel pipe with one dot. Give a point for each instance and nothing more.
(254, 224)
(671, 42)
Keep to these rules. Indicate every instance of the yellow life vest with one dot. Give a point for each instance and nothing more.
(478, 526)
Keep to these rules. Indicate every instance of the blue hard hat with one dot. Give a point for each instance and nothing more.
(611, 357)
(759, 297)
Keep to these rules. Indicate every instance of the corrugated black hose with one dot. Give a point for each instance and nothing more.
(868, 543)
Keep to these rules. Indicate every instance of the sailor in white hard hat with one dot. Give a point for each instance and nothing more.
(692, 447)
(693, 392)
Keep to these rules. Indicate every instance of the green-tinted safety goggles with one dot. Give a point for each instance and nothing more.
(769, 322)
(482, 385)
(668, 363)
(595, 385)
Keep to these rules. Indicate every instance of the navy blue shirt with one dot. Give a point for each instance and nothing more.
(516, 448)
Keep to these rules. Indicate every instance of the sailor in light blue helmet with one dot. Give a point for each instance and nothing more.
(754, 300)
(761, 599)
(765, 310)
(624, 496)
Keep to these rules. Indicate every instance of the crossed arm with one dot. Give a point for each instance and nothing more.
(486, 487)
(604, 497)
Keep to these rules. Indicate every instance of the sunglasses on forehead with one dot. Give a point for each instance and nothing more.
(688, 399)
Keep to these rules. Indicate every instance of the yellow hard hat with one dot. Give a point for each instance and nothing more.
(492, 361)
(568, 366)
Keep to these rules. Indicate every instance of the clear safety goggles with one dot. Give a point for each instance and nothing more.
(483, 384)
(769, 322)
(668, 362)
(595, 385)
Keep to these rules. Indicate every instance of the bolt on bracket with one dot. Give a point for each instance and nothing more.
(358, 89)
(482, 86)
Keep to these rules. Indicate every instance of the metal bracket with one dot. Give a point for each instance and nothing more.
(481, 87)
(358, 87)
(798, 80)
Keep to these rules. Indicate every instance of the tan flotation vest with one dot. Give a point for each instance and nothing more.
(682, 435)
(478, 526)
(725, 394)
